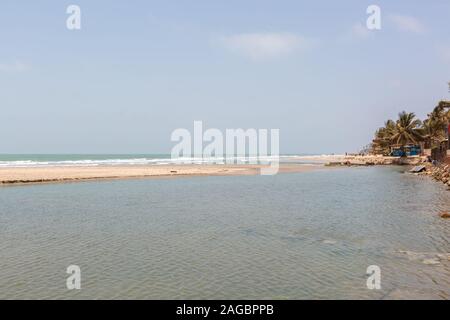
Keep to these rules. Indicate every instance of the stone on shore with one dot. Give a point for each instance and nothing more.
(444, 215)
(372, 160)
(431, 261)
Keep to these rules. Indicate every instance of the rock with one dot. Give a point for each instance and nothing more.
(418, 169)
(431, 261)
(444, 215)
(444, 256)
(333, 164)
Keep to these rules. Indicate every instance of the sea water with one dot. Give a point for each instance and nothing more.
(290, 236)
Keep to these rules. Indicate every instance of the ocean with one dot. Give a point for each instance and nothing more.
(305, 235)
(36, 160)
(48, 160)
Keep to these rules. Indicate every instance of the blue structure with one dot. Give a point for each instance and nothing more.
(408, 151)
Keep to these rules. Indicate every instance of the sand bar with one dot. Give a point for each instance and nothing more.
(23, 175)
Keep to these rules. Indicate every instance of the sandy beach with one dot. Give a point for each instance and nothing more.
(23, 175)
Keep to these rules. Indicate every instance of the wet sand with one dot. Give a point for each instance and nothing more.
(22, 175)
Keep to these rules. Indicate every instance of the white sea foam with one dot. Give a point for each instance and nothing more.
(48, 162)
(131, 162)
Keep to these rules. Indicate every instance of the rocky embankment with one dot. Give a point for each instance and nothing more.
(438, 172)
(374, 160)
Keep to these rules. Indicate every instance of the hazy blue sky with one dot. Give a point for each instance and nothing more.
(137, 70)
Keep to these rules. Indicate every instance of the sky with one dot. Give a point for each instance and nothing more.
(138, 70)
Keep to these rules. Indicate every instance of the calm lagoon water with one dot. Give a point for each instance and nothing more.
(290, 236)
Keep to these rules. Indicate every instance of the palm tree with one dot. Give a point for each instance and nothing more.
(435, 126)
(383, 136)
(439, 114)
(433, 132)
(407, 130)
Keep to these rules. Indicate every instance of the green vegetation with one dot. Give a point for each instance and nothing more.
(408, 130)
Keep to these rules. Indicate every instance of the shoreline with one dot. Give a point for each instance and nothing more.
(61, 174)
(371, 160)
(440, 173)
(20, 175)
(24, 175)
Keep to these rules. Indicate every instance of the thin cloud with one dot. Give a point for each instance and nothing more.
(264, 46)
(16, 66)
(444, 53)
(360, 31)
(407, 23)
